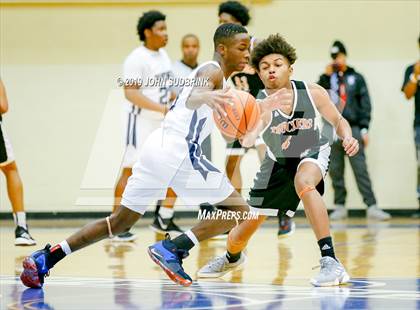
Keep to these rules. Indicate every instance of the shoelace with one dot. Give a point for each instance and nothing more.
(323, 263)
(217, 261)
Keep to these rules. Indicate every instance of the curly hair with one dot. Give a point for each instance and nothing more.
(147, 21)
(237, 10)
(274, 44)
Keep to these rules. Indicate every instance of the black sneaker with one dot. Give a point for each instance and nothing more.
(286, 226)
(124, 237)
(165, 226)
(22, 237)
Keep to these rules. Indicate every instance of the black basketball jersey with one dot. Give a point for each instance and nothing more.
(297, 135)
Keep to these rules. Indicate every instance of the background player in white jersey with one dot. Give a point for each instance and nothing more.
(296, 162)
(171, 157)
(14, 183)
(146, 104)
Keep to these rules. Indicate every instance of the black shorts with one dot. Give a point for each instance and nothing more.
(274, 188)
(3, 151)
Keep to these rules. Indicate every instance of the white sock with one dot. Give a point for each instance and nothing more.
(166, 213)
(192, 237)
(65, 247)
(20, 219)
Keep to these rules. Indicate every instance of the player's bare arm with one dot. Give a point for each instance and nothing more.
(410, 87)
(133, 95)
(4, 105)
(211, 94)
(248, 140)
(328, 111)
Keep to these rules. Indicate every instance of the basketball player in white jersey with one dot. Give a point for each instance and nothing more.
(297, 159)
(146, 103)
(171, 157)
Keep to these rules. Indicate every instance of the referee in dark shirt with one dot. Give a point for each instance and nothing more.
(348, 90)
(411, 88)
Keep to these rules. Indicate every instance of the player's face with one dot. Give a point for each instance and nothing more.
(190, 48)
(226, 18)
(274, 71)
(237, 52)
(157, 35)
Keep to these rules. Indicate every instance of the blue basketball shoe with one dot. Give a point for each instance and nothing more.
(35, 268)
(166, 255)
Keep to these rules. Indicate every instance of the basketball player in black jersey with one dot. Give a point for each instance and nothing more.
(249, 81)
(296, 162)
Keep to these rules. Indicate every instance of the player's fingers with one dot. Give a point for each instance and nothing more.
(221, 100)
(352, 148)
(226, 98)
(219, 108)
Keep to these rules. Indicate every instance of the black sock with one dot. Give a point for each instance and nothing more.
(326, 247)
(208, 208)
(233, 258)
(158, 206)
(56, 254)
(182, 242)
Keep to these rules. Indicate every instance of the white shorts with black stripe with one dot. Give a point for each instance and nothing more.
(169, 161)
(138, 128)
(7, 155)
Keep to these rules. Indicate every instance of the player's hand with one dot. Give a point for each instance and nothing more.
(329, 70)
(248, 140)
(281, 100)
(351, 146)
(173, 95)
(248, 69)
(365, 139)
(216, 100)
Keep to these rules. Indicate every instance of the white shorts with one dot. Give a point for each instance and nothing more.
(6, 147)
(165, 162)
(138, 128)
(321, 159)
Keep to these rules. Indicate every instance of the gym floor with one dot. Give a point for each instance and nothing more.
(383, 260)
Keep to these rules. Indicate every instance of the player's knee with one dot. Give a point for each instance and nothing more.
(9, 168)
(302, 181)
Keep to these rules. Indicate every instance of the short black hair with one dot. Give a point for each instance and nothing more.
(189, 35)
(237, 10)
(225, 32)
(274, 44)
(147, 20)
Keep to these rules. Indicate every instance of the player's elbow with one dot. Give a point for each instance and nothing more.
(4, 108)
(407, 95)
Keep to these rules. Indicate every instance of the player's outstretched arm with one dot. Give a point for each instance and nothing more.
(248, 140)
(328, 111)
(4, 105)
(211, 93)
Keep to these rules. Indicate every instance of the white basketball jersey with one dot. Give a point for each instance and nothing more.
(153, 69)
(193, 125)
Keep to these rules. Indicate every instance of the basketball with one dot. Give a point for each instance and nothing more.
(242, 115)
